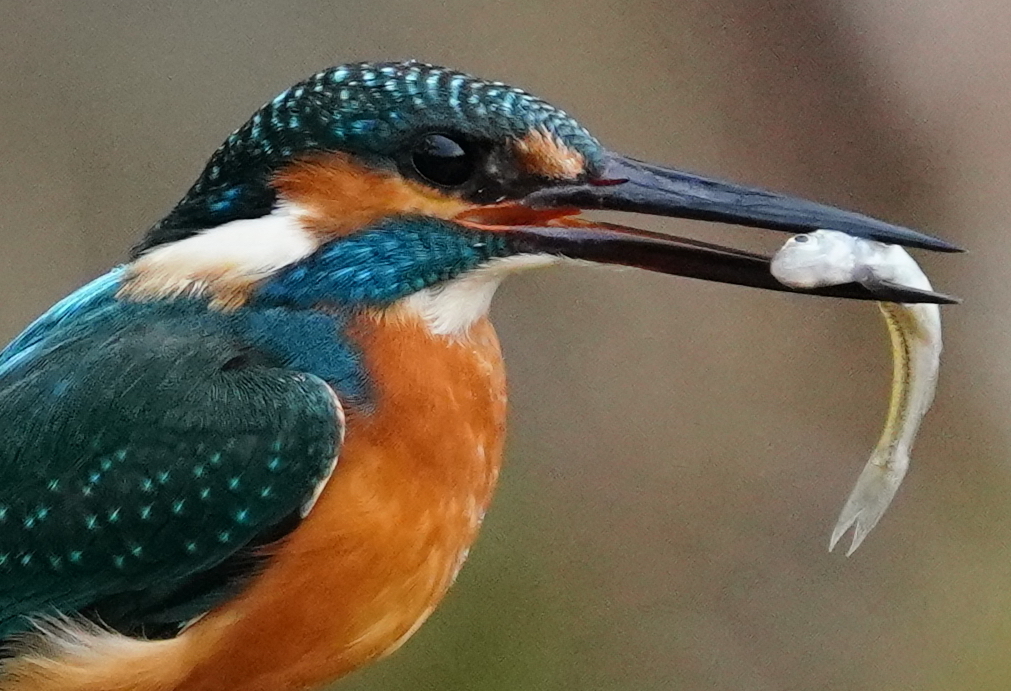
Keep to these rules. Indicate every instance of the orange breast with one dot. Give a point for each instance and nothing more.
(390, 530)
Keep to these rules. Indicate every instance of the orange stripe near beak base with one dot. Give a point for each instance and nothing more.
(542, 154)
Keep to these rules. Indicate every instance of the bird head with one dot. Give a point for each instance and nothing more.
(370, 183)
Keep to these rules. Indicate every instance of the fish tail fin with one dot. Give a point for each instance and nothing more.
(873, 492)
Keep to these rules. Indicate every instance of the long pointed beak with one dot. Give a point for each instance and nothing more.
(629, 185)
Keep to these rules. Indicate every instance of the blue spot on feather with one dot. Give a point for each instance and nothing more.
(364, 126)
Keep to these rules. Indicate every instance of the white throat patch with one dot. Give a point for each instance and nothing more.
(451, 308)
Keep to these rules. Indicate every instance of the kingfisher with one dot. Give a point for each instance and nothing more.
(254, 456)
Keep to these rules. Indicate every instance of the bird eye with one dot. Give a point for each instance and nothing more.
(443, 161)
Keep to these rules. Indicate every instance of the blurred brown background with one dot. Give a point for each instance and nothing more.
(679, 451)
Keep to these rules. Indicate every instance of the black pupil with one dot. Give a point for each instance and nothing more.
(442, 160)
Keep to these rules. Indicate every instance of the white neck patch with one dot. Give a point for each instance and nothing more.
(225, 258)
(451, 308)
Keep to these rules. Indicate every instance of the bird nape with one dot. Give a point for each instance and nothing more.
(256, 455)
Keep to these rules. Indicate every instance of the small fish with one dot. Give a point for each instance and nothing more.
(828, 257)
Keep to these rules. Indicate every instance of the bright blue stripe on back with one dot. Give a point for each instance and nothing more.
(103, 289)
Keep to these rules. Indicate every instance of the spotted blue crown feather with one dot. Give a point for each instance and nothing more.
(367, 110)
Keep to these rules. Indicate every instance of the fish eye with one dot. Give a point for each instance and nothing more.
(443, 160)
(801, 238)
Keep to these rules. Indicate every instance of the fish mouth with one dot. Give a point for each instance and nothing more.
(548, 221)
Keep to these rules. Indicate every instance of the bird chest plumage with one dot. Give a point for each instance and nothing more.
(389, 532)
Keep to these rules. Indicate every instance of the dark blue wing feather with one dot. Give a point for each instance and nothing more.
(144, 448)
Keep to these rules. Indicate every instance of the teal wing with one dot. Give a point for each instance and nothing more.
(145, 455)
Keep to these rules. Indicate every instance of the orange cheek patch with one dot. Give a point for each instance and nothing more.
(541, 153)
(341, 197)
